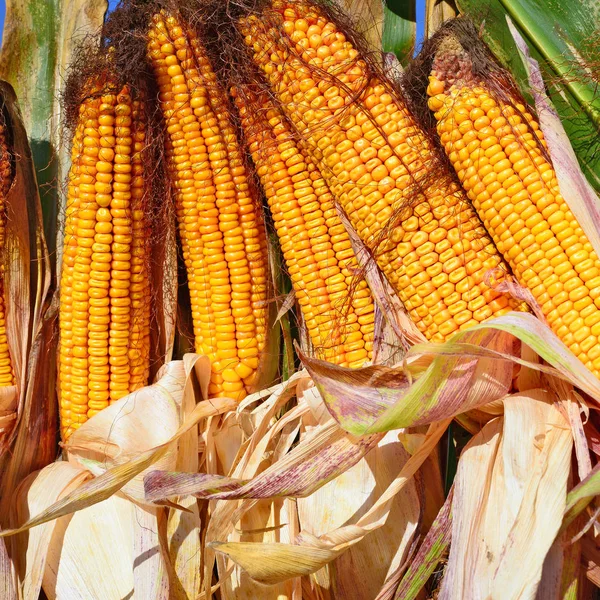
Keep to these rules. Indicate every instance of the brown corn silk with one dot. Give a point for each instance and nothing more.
(221, 223)
(105, 296)
(380, 167)
(338, 311)
(495, 144)
(6, 371)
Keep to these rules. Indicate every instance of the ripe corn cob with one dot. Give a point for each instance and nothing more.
(428, 241)
(6, 371)
(314, 242)
(104, 294)
(220, 221)
(497, 151)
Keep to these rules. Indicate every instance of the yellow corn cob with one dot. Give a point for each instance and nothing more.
(104, 293)
(496, 150)
(314, 242)
(6, 370)
(220, 222)
(371, 152)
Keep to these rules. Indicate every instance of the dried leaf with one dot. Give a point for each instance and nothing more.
(91, 553)
(323, 549)
(272, 563)
(7, 583)
(365, 566)
(316, 460)
(431, 551)
(29, 411)
(36, 493)
(511, 482)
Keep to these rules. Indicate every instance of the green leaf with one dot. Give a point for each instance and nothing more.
(39, 39)
(399, 29)
(581, 495)
(559, 35)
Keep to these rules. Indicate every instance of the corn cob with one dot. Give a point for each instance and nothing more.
(497, 150)
(220, 222)
(433, 249)
(6, 371)
(314, 242)
(104, 294)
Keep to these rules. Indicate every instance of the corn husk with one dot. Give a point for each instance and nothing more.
(90, 511)
(510, 494)
(28, 410)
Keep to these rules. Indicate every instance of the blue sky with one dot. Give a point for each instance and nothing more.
(113, 3)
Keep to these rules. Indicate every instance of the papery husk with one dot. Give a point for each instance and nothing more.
(510, 494)
(311, 553)
(244, 453)
(8, 585)
(183, 527)
(363, 569)
(36, 493)
(118, 456)
(113, 475)
(91, 553)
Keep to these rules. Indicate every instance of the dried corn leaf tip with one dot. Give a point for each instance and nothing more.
(378, 164)
(220, 221)
(338, 312)
(498, 152)
(105, 295)
(6, 371)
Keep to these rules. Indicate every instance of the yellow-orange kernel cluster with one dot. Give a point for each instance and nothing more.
(104, 295)
(378, 163)
(339, 313)
(220, 222)
(496, 150)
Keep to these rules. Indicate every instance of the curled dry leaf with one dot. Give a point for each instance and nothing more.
(381, 398)
(472, 369)
(267, 440)
(313, 462)
(318, 551)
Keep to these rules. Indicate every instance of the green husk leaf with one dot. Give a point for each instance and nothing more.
(581, 495)
(466, 372)
(378, 398)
